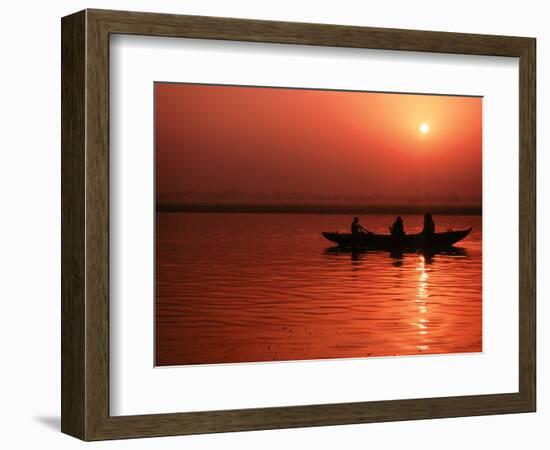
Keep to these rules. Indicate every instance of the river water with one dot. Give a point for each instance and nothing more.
(268, 287)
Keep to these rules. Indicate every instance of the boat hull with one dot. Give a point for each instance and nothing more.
(387, 242)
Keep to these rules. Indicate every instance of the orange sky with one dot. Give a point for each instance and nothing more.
(268, 145)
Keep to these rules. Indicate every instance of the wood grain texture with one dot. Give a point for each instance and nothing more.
(85, 224)
(527, 224)
(97, 226)
(72, 224)
(151, 24)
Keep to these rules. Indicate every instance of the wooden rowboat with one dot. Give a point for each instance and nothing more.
(418, 241)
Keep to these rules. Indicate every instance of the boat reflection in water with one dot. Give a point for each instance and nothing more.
(438, 317)
(396, 255)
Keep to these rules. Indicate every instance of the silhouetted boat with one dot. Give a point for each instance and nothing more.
(388, 242)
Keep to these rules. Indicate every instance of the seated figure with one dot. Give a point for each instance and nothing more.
(357, 228)
(397, 230)
(429, 225)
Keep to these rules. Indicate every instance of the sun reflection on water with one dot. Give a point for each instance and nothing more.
(421, 299)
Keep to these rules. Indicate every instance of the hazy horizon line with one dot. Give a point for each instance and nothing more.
(466, 210)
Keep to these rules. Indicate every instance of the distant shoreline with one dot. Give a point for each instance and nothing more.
(318, 209)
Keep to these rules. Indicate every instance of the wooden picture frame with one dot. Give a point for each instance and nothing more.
(85, 224)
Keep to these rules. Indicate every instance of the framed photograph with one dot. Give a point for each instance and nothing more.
(272, 224)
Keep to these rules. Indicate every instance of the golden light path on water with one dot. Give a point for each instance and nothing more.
(422, 300)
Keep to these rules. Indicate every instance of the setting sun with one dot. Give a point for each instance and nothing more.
(424, 128)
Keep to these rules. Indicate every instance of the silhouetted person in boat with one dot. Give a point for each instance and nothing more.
(397, 230)
(357, 228)
(429, 225)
